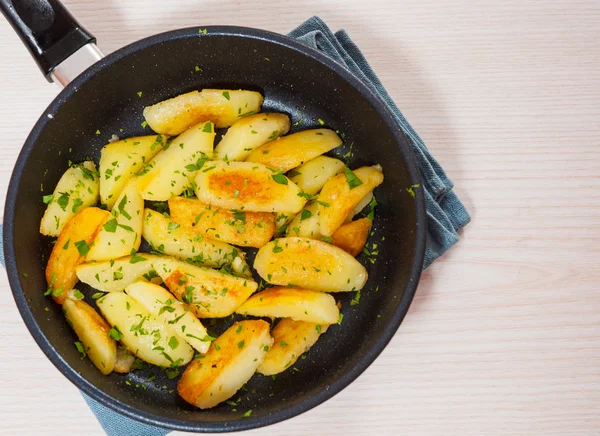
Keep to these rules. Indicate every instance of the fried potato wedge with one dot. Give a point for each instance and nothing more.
(160, 303)
(342, 198)
(247, 229)
(249, 133)
(359, 207)
(311, 176)
(116, 275)
(290, 340)
(70, 248)
(295, 149)
(122, 231)
(209, 293)
(223, 107)
(142, 333)
(169, 237)
(125, 359)
(352, 237)
(172, 170)
(121, 160)
(296, 303)
(306, 223)
(311, 264)
(247, 186)
(228, 365)
(92, 331)
(77, 189)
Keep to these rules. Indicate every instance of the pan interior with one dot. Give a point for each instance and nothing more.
(111, 103)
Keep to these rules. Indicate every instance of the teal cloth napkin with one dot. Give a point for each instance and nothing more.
(446, 215)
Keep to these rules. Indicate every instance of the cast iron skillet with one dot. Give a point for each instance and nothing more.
(294, 79)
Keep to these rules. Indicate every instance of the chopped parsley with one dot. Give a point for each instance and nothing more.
(115, 333)
(280, 178)
(111, 226)
(82, 247)
(351, 178)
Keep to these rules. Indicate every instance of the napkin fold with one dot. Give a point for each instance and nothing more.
(446, 215)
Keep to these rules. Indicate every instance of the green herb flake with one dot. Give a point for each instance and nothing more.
(115, 333)
(111, 225)
(121, 208)
(318, 328)
(66, 246)
(77, 294)
(137, 258)
(340, 318)
(63, 200)
(247, 414)
(80, 348)
(173, 343)
(82, 247)
(306, 214)
(240, 344)
(226, 95)
(207, 128)
(411, 191)
(47, 198)
(321, 122)
(280, 178)
(351, 178)
(327, 239)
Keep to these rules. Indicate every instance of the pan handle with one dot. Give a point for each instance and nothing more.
(49, 32)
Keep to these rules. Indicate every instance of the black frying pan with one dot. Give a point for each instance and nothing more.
(294, 79)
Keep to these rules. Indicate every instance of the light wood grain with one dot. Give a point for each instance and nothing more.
(504, 334)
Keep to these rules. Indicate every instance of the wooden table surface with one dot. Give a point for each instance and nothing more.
(504, 334)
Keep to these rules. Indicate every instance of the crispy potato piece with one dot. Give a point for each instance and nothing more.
(172, 170)
(221, 106)
(92, 331)
(125, 359)
(209, 293)
(248, 229)
(311, 264)
(160, 303)
(311, 176)
(77, 189)
(122, 231)
(296, 303)
(169, 237)
(342, 199)
(352, 237)
(228, 365)
(249, 133)
(69, 250)
(359, 207)
(306, 223)
(247, 186)
(144, 335)
(116, 275)
(295, 149)
(290, 339)
(121, 160)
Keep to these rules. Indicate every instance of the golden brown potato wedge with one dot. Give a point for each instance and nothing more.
(172, 170)
(70, 249)
(125, 359)
(343, 192)
(306, 223)
(310, 264)
(296, 303)
(249, 133)
(160, 303)
(77, 189)
(221, 106)
(290, 339)
(295, 149)
(121, 233)
(247, 229)
(116, 275)
(209, 293)
(247, 186)
(144, 335)
(121, 160)
(92, 331)
(352, 237)
(311, 176)
(228, 365)
(169, 237)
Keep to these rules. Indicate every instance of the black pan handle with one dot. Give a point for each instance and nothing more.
(47, 29)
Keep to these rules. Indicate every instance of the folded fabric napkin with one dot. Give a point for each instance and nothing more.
(445, 213)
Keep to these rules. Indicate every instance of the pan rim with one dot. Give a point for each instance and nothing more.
(252, 422)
